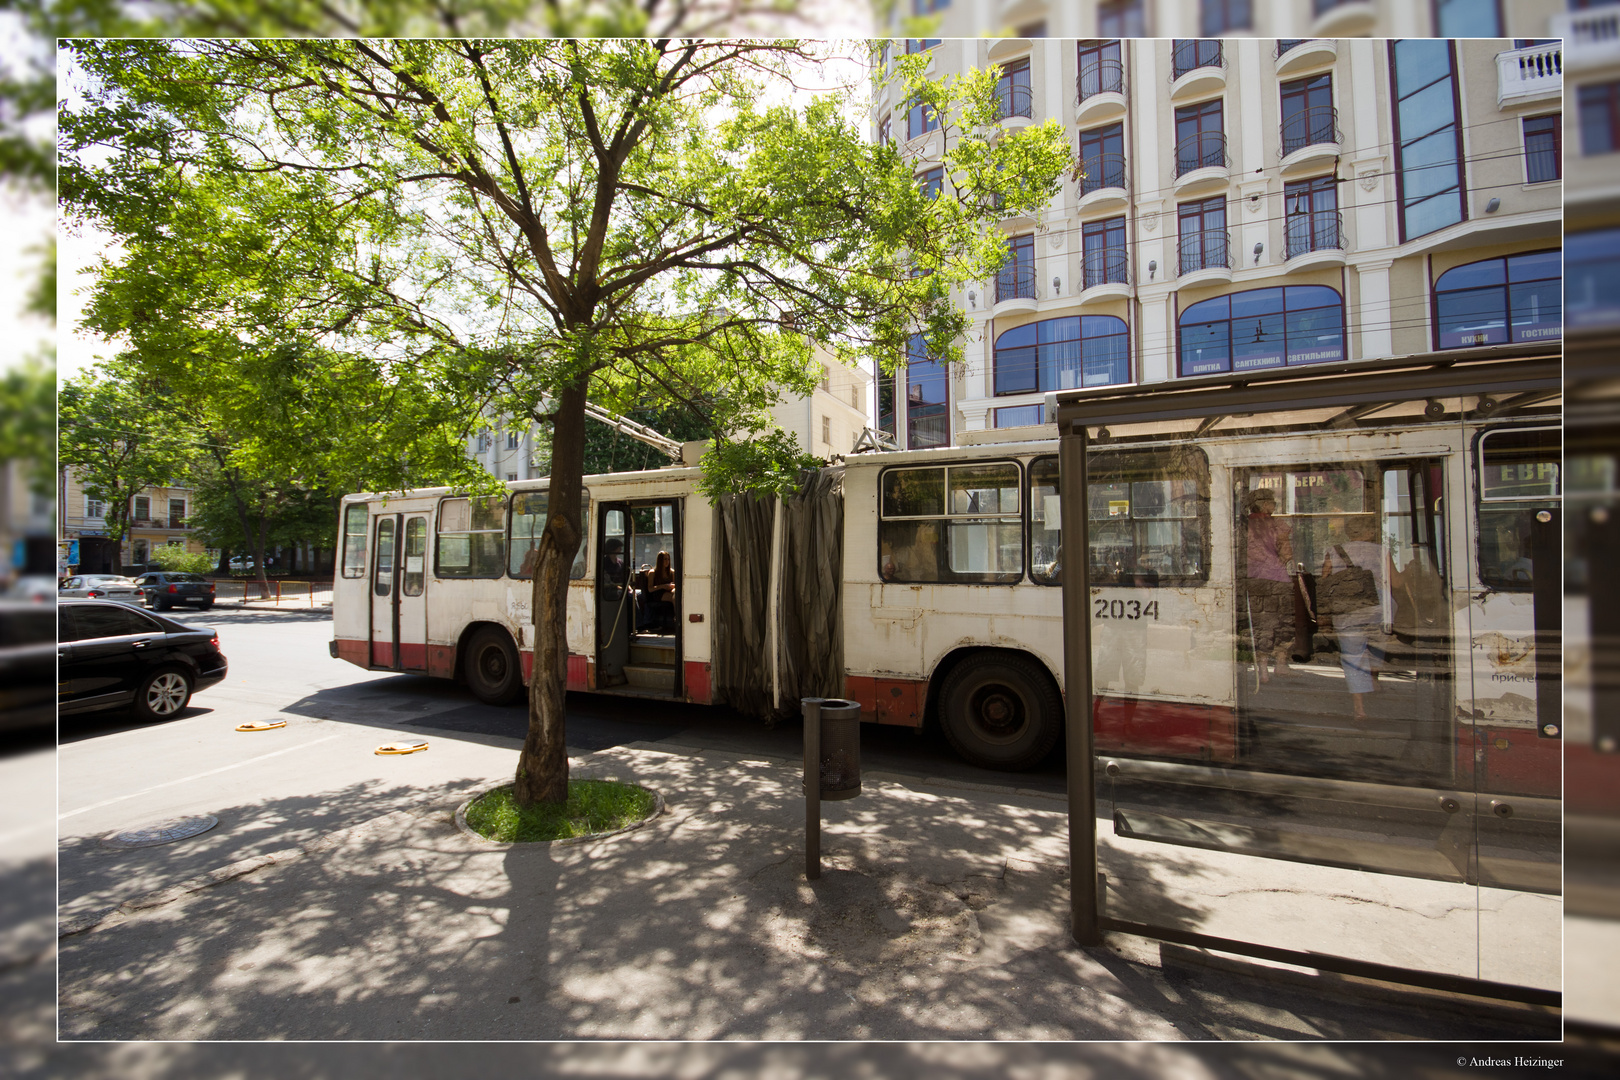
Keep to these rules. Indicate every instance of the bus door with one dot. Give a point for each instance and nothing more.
(384, 594)
(638, 625)
(411, 629)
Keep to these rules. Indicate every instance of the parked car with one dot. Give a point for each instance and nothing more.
(102, 587)
(37, 588)
(242, 563)
(168, 588)
(112, 656)
(27, 666)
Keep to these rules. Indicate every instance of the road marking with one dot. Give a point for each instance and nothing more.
(194, 776)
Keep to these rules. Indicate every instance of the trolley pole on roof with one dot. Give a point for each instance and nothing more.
(627, 426)
(1076, 547)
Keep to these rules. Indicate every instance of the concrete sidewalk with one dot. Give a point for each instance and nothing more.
(942, 913)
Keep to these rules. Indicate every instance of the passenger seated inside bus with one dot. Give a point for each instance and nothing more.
(661, 595)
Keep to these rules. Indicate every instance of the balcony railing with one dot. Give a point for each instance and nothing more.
(1015, 282)
(1206, 250)
(1310, 126)
(1524, 75)
(1322, 7)
(1202, 150)
(1101, 171)
(1320, 230)
(1014, 99)
(1194, 53)
(1101, 77)
(1286, 44)
(1107, 265)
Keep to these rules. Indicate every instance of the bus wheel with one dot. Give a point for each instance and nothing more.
(493, 670)
(1001, 712)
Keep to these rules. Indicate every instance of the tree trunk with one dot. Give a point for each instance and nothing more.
(542, 772)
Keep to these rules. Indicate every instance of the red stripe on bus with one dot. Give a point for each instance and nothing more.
(355, 652)
(695, 679)
(413, 656)
(579, 672)
(382, 654)
(441, 661)
(888, 701)
(1134, 726)
(1516, 761)
(1589, 781)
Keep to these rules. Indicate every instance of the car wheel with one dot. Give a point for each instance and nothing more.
(162, 694)
(1001, 711)
(494, 673)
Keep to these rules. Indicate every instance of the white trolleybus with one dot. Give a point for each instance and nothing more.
(926, 585)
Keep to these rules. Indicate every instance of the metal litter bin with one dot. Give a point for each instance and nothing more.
(837, 735)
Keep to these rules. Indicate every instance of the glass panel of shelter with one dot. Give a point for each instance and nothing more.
(1309, 717)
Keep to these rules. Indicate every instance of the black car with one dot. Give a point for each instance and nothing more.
(167, 588)
(111, 655)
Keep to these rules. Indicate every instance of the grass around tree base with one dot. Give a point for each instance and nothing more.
(593, 806)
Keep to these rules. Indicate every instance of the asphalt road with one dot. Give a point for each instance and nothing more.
(283, 788)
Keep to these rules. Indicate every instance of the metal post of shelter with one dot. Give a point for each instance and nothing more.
(812, 787)
(1081, 759)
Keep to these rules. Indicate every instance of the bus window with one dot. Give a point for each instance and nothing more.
(529, 511)
(472, 533)
(415, 556)
(1518, 476)
(354, 541)
(384, 582)
(955, 523)
(1149, 518)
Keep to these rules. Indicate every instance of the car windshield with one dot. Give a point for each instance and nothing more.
(107, 579)
(183, 577)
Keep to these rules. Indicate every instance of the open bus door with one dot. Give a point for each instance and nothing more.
(638, 640)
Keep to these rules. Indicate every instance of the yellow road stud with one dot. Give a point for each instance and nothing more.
(401, 747)
(261, 725)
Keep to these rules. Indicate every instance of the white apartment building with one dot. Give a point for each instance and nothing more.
(1591, 138)
(1246, 203)
(1233, 18)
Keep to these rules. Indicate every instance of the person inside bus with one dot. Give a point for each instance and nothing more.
(661, 594)
(1354, 625)
(1270, 588)
(614, 569)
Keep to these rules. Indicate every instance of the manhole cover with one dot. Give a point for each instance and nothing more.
(164, 832)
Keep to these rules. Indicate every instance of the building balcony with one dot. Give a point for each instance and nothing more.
(1105, 275)
(1015, 289)
(1591, 38)
(1201, 162)
(1313, 240)
(1204, 258)
(1301, 54)
(1529, 76)
(1197, 67)
(1348, 18)
(1308, 137)
(1103, 182)
(1015, 106)
(1100, 92)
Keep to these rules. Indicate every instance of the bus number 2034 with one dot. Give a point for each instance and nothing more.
(1125, 609)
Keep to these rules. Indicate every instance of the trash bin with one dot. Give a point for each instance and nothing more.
(838, 722)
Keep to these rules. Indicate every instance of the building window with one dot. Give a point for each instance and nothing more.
(1189, 54)
(1102, 158)
(1600, 118)
(1202, 238)
(1121, 19)
(1101, 70)
(920, 119)
(1307, 113)
(511, 476)
(1311, 216)
(472, 538)
(956, 523)
(1200, 140)
(932, 182)
(1033, 30)
(1428, 141)
(1013, 92)
(886, 418)
(1217, 17)
(511, 440)
(1592, 277)
(1543, 148)
(1062, 354)
(826, 430)
(1467, 18)
(143, 509)
(1016, 278)
(928, 7)
(920, 45)
(1494, 301)
(1262, 328)
(177, 513)
(1018, 416)
(927, 399)
(1104, 255)
(94, 508)
(883, 132)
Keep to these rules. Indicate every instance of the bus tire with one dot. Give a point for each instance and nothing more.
(1001, 712)
(494, 673)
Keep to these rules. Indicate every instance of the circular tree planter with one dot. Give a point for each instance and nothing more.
(468, 831)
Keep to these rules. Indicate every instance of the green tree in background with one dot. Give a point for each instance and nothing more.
(391, 240)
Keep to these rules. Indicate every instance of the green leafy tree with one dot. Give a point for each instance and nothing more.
(118, 440)
(176, 558)
(516, 228)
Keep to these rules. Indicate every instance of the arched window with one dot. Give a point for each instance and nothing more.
(1062, 354)
(1262, 328)
(1494, 301)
